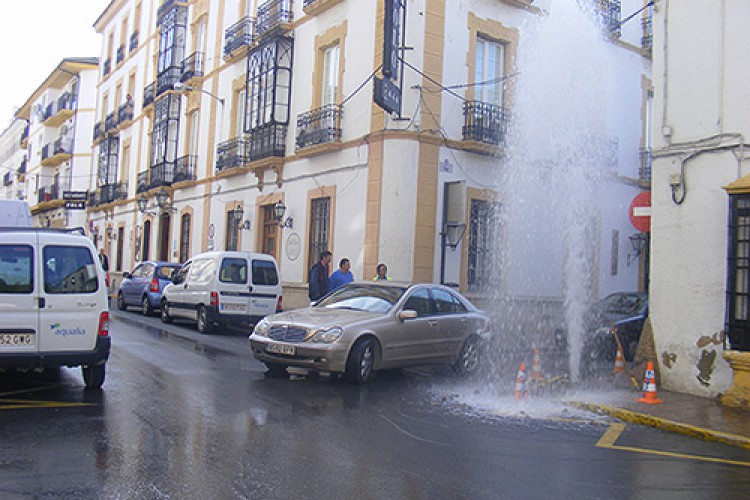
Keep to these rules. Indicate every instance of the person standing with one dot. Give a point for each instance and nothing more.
(103, 259)
(382, 273)
(319, 282)
(342, 275)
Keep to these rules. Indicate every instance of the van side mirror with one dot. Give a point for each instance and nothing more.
(177, 279)
(127, 275)
(407, 314)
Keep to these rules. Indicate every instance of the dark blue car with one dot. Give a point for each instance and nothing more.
(143, 286)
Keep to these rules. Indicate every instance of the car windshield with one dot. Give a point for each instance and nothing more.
(622, 303)
(363, 297)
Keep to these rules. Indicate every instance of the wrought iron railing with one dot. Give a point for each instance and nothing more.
(240, 34)
(120, 54)
(184, 169)
(266, 141)
(110, 122)
(609, 10)
(48, 193)
(48, 151)
(161, 174)
(484, 122)
(125, 112)
(149, 93)
(319, 126)
(167, 78)
(63, 146)
(644, 171)
(108, 193)
(133, 44)
(647, 38)
(22, 167)
(25, 134)
(231, 154)
(192, 66)
(141, 185)
(98, 131)
(7, 180)
(106, 67)
(272, 15)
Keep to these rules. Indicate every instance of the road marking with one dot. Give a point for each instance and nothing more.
(614, 431)
(17, 404)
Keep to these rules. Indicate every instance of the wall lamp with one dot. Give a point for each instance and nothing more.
(452, 234)
(238, 213)
(638, 242)
(279, 209)
(162, 202)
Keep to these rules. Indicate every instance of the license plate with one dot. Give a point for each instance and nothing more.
(281, 349)
(13, 339)
(233, 307)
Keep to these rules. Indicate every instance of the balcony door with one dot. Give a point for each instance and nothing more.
(164, 222)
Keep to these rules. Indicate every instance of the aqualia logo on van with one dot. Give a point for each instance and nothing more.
(64, 332)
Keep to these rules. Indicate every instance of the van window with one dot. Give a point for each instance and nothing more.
(233, 270)
(69, 269)
(264, 273)
(16, 271)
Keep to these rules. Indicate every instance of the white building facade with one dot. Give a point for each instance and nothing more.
(240, 109)
(13, 159)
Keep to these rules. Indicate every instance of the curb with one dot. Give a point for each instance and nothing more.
(664, 424)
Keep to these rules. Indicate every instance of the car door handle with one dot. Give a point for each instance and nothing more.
(432, 322)
(42, 302)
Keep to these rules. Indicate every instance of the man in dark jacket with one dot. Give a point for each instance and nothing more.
(319, 283)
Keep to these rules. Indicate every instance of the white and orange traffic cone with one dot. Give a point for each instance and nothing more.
(649, 387)
(520, 392)
(536, 366)
(619, 361)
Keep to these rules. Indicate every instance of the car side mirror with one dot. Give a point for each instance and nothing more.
(407, 314)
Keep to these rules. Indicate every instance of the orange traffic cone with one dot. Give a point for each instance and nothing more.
(536, 366)
(649, 387)
(619, 361)
(521, 381)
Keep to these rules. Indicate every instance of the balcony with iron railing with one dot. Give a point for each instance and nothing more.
(110, 122)
(48, 193)
(107, 67)
(25, 138)
(274, 16)
(125, 113)
(192, 67)
(484, 123)
(120, 56)
(59, 110)
(7, 179)
(319, 126)
(141, 184)
(98, 131)
(108, 193)
(648, 35)
(56, 152)
(133, 43)
(149, 94)
(22, 167)
(167, 78)
(609, 10)
(644, 170)
(231, 154)
(240, 35)
(184, 168)
(267, 141)
(161, 174)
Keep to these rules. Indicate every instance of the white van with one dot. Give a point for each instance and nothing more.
(223, 288)
(53, 302)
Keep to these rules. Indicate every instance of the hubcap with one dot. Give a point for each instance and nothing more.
(471, 356)
(366, 364)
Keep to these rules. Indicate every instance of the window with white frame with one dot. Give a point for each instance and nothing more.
(330, 83)
(488, 71)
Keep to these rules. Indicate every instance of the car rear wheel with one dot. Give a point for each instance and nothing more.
(204, 325)
(165, 317)
(146, 308)
(276, 370)
(93, 376)
(121, 305)
(361, 361)
(468, 359)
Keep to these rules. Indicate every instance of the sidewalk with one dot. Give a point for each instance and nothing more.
(694, 416)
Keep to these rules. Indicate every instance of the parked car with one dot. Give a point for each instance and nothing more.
(365, 326)
(223, 289)
(626, 312)
(53, 303)
(143, 287)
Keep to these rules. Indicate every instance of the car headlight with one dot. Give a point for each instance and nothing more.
(262, 328)
(328, 335)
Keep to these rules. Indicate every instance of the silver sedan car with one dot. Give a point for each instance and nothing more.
(367, 326)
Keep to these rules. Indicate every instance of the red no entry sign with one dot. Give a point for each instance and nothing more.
(640, 212)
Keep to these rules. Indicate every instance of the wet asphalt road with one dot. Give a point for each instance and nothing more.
(184, 415)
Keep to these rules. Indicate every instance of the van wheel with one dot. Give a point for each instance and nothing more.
(93, 376)
(165, 317)
(121, 305)
(146, 308)
(204, 326)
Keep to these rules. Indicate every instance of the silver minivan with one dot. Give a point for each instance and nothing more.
(53, 302)
(223, 288)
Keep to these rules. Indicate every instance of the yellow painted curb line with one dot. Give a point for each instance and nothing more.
(662, 423)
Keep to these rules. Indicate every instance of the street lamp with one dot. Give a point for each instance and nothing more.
(279, 209)
(238, 213)
(182, 88)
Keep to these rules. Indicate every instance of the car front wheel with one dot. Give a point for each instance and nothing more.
(165, 317)
(361, 361)
(204, 325)
(93, 376)
(121, 305)
(468, 359)
(146, 308)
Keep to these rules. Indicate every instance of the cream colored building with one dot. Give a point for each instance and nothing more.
(13, 159)
(243, 107)
(699, 281)
(58, 146)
